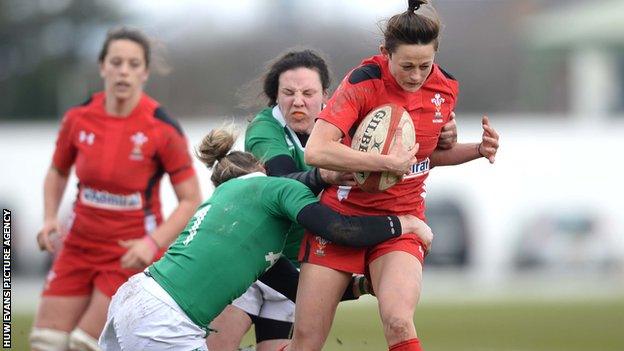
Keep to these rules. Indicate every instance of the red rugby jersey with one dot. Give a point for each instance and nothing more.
(119, 164)
(362, 90)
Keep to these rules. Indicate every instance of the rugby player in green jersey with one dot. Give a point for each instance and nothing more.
(232, 239)
(295, 86)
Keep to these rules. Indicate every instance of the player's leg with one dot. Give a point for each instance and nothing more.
(56, 317)
(396, 278)
(106, 281)
(85, 336)
(271, 334)
(320, 290)
(64, 299)
(274, 323)
(230, 327)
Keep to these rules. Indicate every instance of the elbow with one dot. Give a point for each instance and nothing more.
(312, 156)
(196, 200)
(191, 201)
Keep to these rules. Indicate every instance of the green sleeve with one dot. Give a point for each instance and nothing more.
(287, 197)
(265, 139)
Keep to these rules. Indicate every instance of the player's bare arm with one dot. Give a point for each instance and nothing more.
(465, 152)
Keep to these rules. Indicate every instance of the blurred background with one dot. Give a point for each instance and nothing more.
(544, 223)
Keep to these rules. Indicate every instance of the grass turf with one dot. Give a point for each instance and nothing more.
(476, 326)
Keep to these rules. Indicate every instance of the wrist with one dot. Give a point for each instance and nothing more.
(322, 176)
(479, 150)
(409, 224)
(151, 242)
(48, 219)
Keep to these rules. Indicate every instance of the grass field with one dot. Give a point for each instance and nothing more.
(476, 326)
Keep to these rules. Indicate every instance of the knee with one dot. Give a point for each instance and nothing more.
(45, 339)
(79, 340)
(399, 327)
(307, 338)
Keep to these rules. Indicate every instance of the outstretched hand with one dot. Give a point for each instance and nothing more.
(489, 141)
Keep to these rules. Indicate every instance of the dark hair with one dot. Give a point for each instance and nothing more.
(127, 33)
(214, 152)
(291, 60)
(420, 25)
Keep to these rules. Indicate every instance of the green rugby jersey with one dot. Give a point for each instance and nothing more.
(268, 136)
(230, 241)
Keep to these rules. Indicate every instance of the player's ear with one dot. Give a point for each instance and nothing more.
(145, 75)
(384, 51)
(102, 70)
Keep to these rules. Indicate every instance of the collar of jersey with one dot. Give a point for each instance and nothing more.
(277, 114)
(252, 175)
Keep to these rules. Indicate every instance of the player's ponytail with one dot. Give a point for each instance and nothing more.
(413, 5)
(420, 25)
(214, 152)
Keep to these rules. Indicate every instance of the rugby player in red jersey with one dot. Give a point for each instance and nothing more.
(405, 74)
(121, 143)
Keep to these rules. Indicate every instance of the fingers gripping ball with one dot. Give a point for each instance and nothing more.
(376, 133)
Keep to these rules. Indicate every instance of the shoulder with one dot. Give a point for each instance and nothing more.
(264, 122)
(265, 117)
(161, 116)
(366, 72)
(158, 116)
(90, 103)
(446, 79)
(76, 112)
(280, 184)
(446, 74)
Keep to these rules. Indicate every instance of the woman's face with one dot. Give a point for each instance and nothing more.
(124, 69)
(410, 64)
(300, 97)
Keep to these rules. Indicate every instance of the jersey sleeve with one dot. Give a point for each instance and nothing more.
(65, 150)
(347, 104)
(287, 197)
(175, 156)
(266, 140)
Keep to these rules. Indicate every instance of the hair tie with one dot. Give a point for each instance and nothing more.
(413, 5)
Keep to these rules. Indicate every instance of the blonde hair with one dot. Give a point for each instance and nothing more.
(215, 152)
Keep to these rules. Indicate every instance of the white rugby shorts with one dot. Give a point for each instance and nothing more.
(263, 301)
(142, 316)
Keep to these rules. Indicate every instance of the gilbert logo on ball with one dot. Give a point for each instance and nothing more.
(376, 134)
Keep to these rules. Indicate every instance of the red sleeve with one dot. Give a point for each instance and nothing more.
(175, 157)
(65, 151)
(347, 104)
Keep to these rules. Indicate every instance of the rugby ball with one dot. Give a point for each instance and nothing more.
(376, 134)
